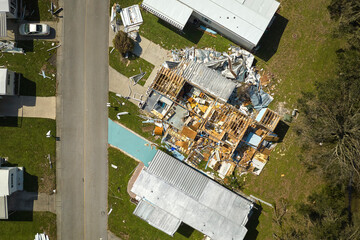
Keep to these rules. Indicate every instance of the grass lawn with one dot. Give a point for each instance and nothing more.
(167, 36)
(132, 120)
(121, 220)
(24, 225)
(39, 9)
(30, 65)
(130, 67)
(304, 53)
(27, 146)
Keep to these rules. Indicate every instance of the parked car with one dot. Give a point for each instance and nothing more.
(34, 29)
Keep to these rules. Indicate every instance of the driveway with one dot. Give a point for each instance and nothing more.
(27, 106)
(82, 167)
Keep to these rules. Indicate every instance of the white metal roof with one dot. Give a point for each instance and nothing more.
(4, 182)
(215, 211)
(157, 217)
(3, 77)
(131, 16)
(172, 11)
(246, 18)
(3, 25)
(3, 207)
(206, 79)
(4, 5)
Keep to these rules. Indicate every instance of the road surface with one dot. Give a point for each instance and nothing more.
(82, 169)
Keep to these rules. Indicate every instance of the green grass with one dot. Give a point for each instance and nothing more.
(132, 120)
(40, 8)
(25, 145)
(24, 225)
(167, 36)
(306, 52)
(121, 220)
(130, 67)
(30, 65)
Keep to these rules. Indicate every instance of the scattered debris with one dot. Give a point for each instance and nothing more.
(110, 211)
(53, 47)
(136, 78)
(43, 74)
(114, 166)
(9, 47)
(41, 236)
(258, 199)
(210, 106)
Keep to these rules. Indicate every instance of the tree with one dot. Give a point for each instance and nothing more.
(347, 13)
(123, 43)
(331, 129)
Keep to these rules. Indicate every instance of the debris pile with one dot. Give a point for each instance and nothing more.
(236, 65)
(218, 123)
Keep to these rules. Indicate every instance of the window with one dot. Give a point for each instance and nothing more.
(12, 180)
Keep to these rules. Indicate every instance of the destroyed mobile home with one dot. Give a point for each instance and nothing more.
(210, 107)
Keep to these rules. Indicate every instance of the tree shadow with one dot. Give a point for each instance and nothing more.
(281, 130)
(269, 42)
(185, 230)
(253, 222)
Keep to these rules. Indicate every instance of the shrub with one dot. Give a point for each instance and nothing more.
(123, 43)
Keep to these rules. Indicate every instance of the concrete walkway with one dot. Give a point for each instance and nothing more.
(121, 84)
(28, 106)
(32, 201)
(112, 236)
(144, 48)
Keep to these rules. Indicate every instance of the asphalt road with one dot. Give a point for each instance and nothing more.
(82, 170)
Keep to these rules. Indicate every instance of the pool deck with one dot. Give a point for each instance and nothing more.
(130, 143)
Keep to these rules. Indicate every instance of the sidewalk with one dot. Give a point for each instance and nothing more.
(147, 50)
(121, 84)
(28, 106)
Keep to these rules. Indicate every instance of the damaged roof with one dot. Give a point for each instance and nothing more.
(195, 199)
(206, 79)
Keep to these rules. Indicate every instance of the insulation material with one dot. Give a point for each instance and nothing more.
(158, 131)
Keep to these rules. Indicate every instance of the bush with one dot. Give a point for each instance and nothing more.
(123, 43)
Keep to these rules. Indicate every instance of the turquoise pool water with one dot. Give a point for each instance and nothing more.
(130, 143)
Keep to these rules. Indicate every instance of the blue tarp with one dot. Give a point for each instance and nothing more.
(259, 98)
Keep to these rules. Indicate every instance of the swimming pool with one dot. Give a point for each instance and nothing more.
(131, 143)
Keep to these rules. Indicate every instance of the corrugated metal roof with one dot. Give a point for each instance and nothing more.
(4, 5)
(157, 217)
(178, 174)
(3, 25)
(246, 18)
(3, 207)
(3, 82)
(206, 79)
(217, 212)
(249, 18)
(4, 182)
(171, 11)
